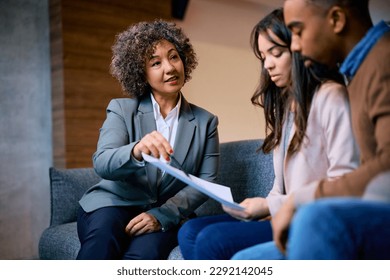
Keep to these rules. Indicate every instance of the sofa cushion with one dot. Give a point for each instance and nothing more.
(247, 172)
(59, 242)
(67, 187)
(175, 254)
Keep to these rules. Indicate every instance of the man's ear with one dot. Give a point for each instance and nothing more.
(337, 18)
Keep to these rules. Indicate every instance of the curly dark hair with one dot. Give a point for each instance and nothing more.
(137, 43)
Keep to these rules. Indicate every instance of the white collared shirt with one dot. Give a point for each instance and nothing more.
(168, 126)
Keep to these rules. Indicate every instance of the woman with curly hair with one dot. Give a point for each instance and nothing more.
(134, 212)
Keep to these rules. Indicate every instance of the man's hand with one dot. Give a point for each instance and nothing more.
(141, 224)
(255, 208)
(281, 223)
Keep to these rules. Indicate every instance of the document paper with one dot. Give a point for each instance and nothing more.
(218, 192)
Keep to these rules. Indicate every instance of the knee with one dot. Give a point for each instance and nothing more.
(187, 232)
(207, 235)
(314, 214)
(316, 221)
(309, 221)
(240, 255)
(209, 244)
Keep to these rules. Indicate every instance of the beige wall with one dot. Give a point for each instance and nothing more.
(224, 88)
(228, 70)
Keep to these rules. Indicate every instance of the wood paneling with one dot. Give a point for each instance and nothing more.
(82, 33)
(57, 85)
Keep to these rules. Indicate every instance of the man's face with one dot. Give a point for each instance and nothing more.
(312, 34)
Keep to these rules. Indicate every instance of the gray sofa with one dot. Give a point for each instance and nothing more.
(247, 172)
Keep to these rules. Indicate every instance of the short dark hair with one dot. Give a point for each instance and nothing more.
(358, 7)
(344, 3)
(137, 43)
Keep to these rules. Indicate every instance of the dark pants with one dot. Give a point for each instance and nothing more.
(102, 236)
(220, 237)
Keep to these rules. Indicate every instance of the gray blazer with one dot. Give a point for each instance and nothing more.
(126, 183)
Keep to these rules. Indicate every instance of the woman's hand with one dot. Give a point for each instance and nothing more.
(153, 143)
(255, 208)
(141, 224)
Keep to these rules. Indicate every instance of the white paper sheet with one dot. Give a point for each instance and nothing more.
(218, 192)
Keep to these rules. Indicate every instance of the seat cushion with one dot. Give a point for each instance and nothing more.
(175, 254)
(59, 242)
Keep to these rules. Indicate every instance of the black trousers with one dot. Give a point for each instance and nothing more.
(102, 236)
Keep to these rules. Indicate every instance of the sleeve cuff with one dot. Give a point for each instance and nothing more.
(137, 162)
(275, 202)
(164, 221)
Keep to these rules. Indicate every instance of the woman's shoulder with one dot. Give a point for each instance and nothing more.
(124, 107)
(124, 102)
(331, 100)
(331, 92)
(332, 87)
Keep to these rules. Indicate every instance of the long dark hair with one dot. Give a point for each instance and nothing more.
(274, 100)
(267, 95)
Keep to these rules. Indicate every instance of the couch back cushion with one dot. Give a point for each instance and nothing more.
(247, 172)
(67, 187)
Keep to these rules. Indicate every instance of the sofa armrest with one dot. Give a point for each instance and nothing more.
(66, 188)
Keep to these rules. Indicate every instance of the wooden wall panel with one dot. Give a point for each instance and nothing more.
(57, 86)
(82, 34)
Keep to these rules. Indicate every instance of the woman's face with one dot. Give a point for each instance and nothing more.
(165, 70)
(276, 59)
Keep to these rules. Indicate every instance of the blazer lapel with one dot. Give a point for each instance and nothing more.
(286, 156)
(147, 124)
(145, 115)
(290, 137)
(185, 132)
(184, 137)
